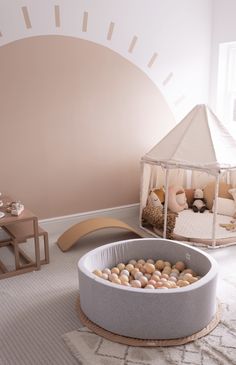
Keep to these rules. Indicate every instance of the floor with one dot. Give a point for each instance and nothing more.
(37, 308)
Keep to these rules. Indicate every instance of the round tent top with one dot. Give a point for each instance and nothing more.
(199, 141)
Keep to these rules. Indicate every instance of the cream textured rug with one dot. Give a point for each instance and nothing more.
(38, 308)
(217, 348)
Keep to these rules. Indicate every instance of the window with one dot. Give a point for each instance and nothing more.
(226, 98)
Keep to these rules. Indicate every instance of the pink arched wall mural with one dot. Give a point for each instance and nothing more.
(78, 109)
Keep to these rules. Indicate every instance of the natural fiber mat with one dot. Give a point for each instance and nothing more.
(146, 343)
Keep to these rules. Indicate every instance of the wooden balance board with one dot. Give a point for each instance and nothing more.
(70, 237)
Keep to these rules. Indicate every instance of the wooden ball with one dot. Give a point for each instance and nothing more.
(182, 283)
(124, 278)
(133, 262)
(152, 282)
(135, 284)
(141, 261)
(125, 283)
(167, 285)
(189, 271)
(134, 271)
(150, 268)
(124, 272)
(150, 261)
(172, 284)
(174, 274)
(155, 277)
(98, 272)
(160, 264)
(159, 284)
(138, 275)
(180, 265)
(104, 276)
(188, 277)
(116, 281)
(166, 270)
(149, 286)
(167, 263)
(129, 267)
(112, 276)
(157, 272)
(106, 271)
(142, 269)
(143, 280)
(121, 266)
(115, 270)
(166, 276)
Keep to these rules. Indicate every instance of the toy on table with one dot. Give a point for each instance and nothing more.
(15, 208)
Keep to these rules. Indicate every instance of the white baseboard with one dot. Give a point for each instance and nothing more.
(56, 226)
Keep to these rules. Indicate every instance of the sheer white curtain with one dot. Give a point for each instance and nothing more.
(153, 176)
(200, 178)
(232, 178)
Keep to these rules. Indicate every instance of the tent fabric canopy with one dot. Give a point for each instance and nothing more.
(199, 141)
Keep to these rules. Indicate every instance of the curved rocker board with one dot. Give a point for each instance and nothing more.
(70, 237)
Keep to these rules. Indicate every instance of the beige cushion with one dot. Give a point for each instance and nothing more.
(190, 196)
(233, 193)
(225, 206)
(209, 193)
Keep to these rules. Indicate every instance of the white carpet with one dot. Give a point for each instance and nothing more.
(199, 225)
(219, 347)
(37, 309)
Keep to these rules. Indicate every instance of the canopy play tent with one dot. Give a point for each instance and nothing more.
(200, 143)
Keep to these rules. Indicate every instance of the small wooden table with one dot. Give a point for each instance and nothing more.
(9, 220)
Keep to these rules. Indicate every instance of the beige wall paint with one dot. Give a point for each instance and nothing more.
(75, 120)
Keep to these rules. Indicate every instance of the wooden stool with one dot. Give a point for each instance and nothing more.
(19, 233)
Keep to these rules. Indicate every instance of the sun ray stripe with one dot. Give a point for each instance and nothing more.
(132, 44)
(152, 60)
(85, 22)
(26, 17)
(57, 16)
(110, 31)
(167, 79)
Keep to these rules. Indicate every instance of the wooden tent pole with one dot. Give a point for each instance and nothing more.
(215, 210)
(166, 201)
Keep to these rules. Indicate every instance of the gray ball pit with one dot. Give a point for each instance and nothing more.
(144, 313)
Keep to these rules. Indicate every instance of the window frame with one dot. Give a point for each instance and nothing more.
(226, 85)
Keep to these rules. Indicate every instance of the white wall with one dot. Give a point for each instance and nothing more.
(223, 30)
(179, 31)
